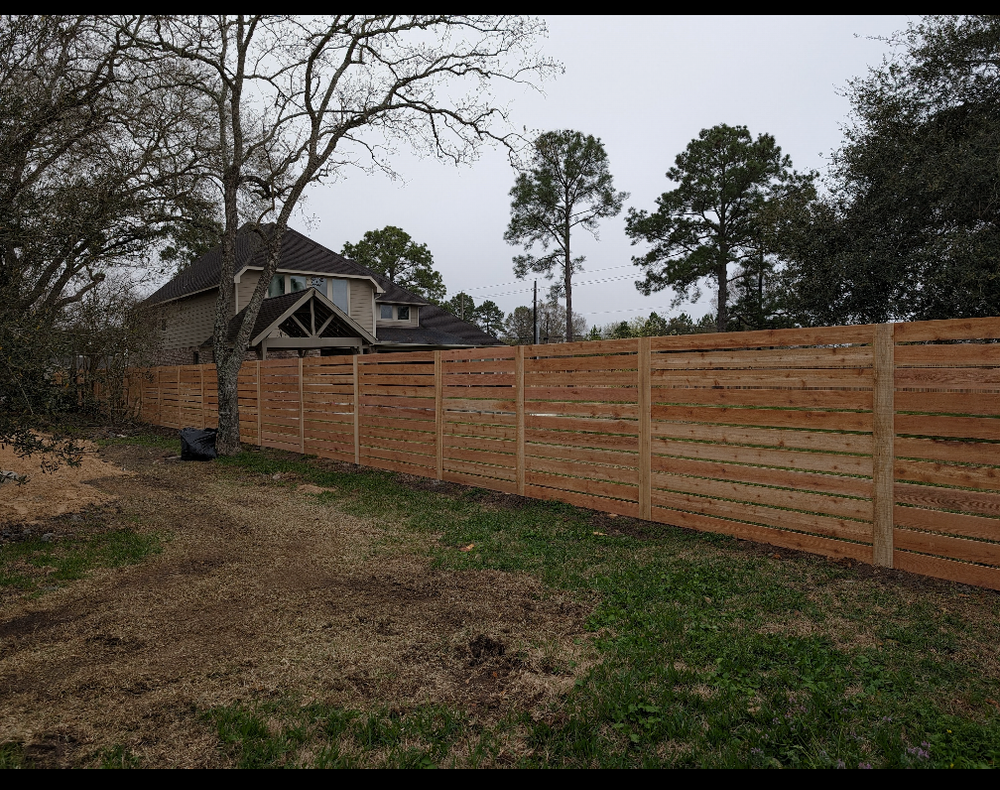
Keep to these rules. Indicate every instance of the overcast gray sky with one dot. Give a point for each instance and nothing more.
(646, 86)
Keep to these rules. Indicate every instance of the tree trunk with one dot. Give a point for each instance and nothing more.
(227, 441)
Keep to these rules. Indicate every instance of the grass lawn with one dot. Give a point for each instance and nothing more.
(711, 652)
(693, 650)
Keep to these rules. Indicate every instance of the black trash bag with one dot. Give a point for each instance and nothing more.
(198, 445)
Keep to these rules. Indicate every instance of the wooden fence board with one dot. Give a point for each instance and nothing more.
(760, 475)
(981, 477)
(941, 568)
(950, 329)
(814, 544)
(498, 472)
(801, 378)
(950, 355)
(839, 357)
(857, 509)
(612, 457)
(614, 474)
(815, 462)
(952, 523)
(949, 378)
(978, 403)
(935, 497)
(945, 450)
(780, 398)
(947, 546)
(606, 441)
(982, 428)
(478, 481)
(773, 418)
(611, 378)
(583, 485)
(621, 507)
(768, 338)
(769, 516)
(860, 444)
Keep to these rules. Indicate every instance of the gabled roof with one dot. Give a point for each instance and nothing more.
(278, 311)
(298, 253)
(437, 326)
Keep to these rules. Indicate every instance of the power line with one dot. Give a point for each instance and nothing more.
(515, 282)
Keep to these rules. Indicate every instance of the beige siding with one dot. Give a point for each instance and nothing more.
(361, 304)
(188, 321)
(244, 289)
(413, 320)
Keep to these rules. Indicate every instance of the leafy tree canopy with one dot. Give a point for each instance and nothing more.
(911, 228)
(715, 216)
(394, 254)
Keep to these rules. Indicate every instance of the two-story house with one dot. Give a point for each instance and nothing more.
(317, 301)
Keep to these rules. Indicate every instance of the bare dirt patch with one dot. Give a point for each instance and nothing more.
(52, 493)
(262, 593)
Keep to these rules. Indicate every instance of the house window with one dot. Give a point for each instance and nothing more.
(276, 286)
(403, 313)
(297, 284)
(386, 312)
(338, 293)
(319, 283)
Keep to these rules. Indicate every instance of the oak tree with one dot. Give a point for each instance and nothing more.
(298, 100)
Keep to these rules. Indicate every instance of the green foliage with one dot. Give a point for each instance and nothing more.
(461, 305)
(716, 216)
(654, 326)
(911, 228)
(93, 176)
(394, 254)
(567, 185)
(490, 318)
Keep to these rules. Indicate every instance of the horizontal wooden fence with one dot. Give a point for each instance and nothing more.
(879, 443)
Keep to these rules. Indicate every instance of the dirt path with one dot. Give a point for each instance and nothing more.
(261, 593)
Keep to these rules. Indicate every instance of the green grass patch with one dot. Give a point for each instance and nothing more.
(711, 653)
(36, 565)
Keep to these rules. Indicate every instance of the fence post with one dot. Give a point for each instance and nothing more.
(439, 414)
(357, 412)
(260, 436)
(201, 376)
(519, 400)
(645, 427)
(883, 434)
(302, 411)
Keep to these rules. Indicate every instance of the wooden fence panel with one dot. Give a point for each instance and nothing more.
(477, 414)
(879, 443)
(581, 424)
(947, 464)
(770, 441)
(396, 425)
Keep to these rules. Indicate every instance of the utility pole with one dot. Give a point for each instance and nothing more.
(534, 315)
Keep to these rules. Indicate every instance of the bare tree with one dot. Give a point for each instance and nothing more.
(94, 170)
(297, 100)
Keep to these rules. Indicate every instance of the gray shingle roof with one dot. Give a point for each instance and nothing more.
(437, 327)
(298, 252)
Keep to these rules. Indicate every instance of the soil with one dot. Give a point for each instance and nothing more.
(261, 593)
(66, 490)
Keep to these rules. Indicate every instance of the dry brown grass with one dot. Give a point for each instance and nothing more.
(262, 593)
